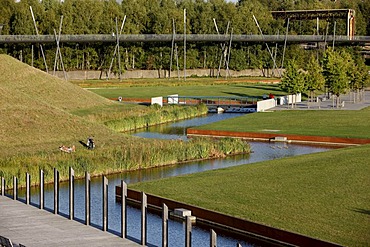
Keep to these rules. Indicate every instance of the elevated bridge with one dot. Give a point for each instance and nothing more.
(347, 14)
(191, 38)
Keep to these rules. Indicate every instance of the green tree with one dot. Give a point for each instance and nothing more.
(335, 72)
(314, 80)
(292, 80)
(358, 77)
(6, 12)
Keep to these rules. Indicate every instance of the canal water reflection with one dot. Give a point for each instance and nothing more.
(200, 236)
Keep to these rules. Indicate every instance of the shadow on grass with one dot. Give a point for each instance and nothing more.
(362, 211)
(83, 144)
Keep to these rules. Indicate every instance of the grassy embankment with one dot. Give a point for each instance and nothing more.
(348, 124)
(196, 87)
(173, 82)
(40, 112)
(322, 195)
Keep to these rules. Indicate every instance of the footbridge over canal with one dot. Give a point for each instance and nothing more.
(217, 103)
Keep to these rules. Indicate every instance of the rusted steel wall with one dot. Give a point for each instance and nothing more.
(230, 221)
(300, 138)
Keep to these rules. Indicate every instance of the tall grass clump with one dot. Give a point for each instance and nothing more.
(155, 115)
(134, 154)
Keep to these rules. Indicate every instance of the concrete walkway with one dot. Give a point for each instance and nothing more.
(32, 227)
(327, 104)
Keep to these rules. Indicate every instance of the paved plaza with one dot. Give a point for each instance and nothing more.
(327, 104)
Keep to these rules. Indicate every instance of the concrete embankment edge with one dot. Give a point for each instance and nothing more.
(269, 136)
(281, 237)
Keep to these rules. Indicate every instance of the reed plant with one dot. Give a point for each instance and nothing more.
(155, 115)
(135, 153)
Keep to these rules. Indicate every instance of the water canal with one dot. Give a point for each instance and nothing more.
(200, 235)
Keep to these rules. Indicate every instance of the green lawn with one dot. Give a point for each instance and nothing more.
(323, 195)
(353, 124)
(232, 90)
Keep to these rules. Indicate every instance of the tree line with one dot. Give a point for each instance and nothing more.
(336, 73)
(160, 17)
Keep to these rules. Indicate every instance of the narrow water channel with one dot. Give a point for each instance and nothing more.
(200, 235)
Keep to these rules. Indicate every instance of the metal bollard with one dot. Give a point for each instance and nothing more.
(105, 204)
(71, 193)
(164, 225)
(15, 188)
(213, 242)
(188, 232)
(28, 189)
(41, 189)
(87, 198)
(123, 209)
(2, 186)
(144, 207)
(56, 191)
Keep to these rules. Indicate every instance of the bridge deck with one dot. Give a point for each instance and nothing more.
(30, 226)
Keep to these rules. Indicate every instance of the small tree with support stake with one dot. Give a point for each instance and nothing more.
(335, 69)
(292, 80)
(314, 80)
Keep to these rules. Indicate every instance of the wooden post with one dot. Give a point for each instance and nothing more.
(188, 232)
(28, 191)
(87, 198)
(56, 191)
(41, 189)
(71, 193)
(164, 225)
(144, 207)
(15, 187)
(2, 186)
(213, 242)
(123, 209)
(105, 204)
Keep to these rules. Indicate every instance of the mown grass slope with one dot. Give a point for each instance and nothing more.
(347, 124)
(34, 109)
(20, 79)
(324, 195)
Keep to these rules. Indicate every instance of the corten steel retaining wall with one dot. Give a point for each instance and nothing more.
(268, 136)
(267, 232)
